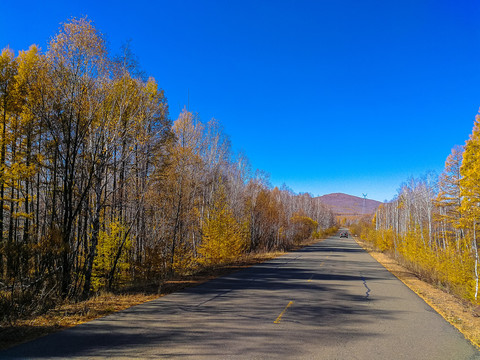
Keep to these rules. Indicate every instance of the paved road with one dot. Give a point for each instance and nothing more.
(327, 301)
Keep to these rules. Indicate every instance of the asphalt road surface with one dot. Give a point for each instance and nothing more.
(328, 301)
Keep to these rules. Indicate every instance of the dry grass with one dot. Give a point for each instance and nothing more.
(462, 314)
(70, 314)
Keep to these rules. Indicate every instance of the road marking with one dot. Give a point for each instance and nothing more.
(283, 312)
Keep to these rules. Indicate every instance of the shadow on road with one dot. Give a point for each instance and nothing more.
(235, 314)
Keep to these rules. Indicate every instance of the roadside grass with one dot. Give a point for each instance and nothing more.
(462, 314)
(102, 304)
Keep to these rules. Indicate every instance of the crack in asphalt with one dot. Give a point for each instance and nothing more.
(367, 293)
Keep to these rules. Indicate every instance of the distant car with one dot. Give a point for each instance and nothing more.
(344, 235)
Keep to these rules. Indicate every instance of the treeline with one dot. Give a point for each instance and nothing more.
(433, 222)
(98, 189)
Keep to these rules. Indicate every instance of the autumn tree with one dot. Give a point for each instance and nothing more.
(224, 238)
(8, 70)
(303, 227)
(470, 191)
(99, 190)
(449, 198)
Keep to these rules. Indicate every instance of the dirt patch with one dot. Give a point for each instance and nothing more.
(72, 314)
(462, 314)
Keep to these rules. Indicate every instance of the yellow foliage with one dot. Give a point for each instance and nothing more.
(448, 267)
(304, 227)
(224, 239)
(109, 242)
(184, 259)
(322, 233)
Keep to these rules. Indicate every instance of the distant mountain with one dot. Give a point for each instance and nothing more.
(348, 205)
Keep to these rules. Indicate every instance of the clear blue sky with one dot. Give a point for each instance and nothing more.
(326, 96)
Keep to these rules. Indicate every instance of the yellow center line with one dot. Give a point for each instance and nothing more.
(283, 312)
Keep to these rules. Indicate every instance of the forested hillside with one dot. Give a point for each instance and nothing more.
(348, 205)
(433, 223)
(99, 189)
